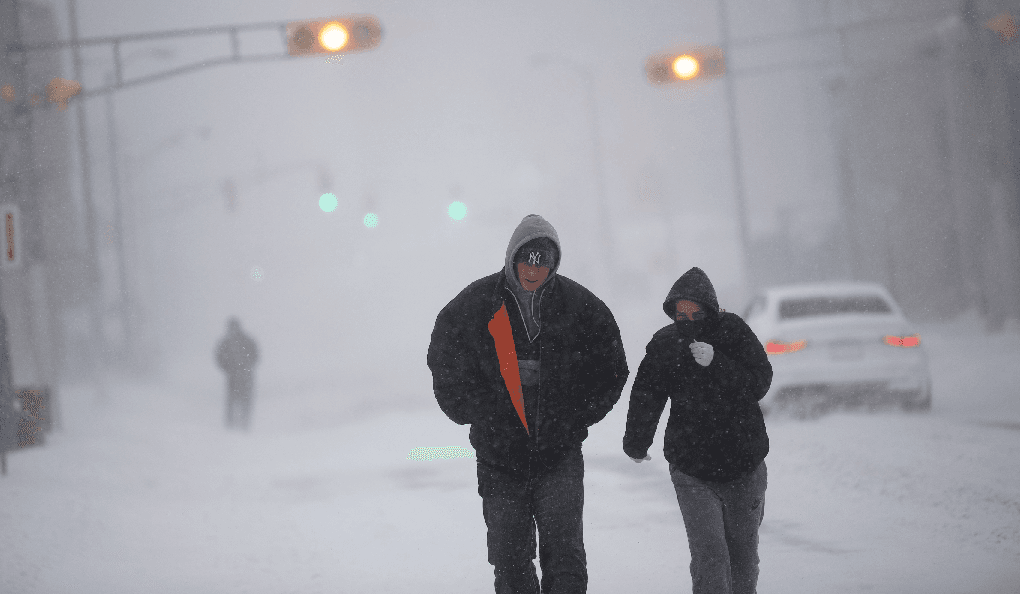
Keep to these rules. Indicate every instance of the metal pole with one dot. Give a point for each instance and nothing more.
(83, 150)
(607, 232)
(738, 175)
(7, 416)
(123, 303)
(607, 242)
(91, 251)
(26, 193)
(841, 90)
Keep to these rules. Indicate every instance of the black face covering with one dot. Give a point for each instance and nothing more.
(689, 330)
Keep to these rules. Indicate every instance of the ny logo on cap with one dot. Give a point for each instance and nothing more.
(534, 258)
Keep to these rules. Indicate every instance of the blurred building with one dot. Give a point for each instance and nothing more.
(925, 125)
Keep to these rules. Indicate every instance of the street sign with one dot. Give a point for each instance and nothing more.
(10, 225)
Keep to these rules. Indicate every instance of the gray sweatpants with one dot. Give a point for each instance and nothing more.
(722, 521)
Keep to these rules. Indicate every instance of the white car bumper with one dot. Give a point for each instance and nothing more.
(872, 376)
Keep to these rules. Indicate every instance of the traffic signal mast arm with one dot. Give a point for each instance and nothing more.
(359, 33)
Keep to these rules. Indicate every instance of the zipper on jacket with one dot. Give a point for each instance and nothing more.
(538, 399)
(520, 310)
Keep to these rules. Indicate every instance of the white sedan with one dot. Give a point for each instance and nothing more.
(838, 344)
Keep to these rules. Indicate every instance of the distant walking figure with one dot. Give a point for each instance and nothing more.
(237, 355)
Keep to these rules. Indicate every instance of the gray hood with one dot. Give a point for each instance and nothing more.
(531, 227)
(529, 302)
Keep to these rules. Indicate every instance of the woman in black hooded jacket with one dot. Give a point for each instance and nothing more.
(711, 366)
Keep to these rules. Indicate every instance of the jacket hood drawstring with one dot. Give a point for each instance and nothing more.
(529, 302)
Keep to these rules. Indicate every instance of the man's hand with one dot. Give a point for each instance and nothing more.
(703, 353)
(640, 460)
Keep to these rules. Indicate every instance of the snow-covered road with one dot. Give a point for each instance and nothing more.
(147, 493)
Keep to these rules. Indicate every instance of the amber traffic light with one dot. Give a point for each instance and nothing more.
(704, 62)
(340, 35)
(59, 91)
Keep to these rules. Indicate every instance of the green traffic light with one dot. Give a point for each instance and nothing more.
(457, 211)
(370, 220)
(327, 202)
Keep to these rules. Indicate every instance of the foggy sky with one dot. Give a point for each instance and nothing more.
(449, 106)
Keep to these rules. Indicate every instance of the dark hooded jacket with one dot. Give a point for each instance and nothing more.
(582, 364)
(715, 431)
(237, 353)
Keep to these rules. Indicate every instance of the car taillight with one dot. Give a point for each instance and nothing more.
(902, 341)
(778, 347)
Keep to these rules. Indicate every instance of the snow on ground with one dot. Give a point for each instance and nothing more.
(146, 492)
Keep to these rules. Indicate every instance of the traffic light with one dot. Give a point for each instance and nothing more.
(456, 210)
(328, 202)
(59, 90)
(1004, 25)
(699, 63)
(340, 35)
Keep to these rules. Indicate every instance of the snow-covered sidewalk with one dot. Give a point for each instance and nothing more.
(148, 493)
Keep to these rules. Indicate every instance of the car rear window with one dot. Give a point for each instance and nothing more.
(830, 306)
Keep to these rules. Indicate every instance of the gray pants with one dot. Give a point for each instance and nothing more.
(722, 521)
(239, 396)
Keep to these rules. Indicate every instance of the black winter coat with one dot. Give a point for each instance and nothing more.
(583, 371)
(237, 353)
(715, 431)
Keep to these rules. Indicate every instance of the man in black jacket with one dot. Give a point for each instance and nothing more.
(714, 369)
(237, 355)
(530, 359)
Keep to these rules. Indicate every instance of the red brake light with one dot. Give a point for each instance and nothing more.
(778, 347)
(902, 341)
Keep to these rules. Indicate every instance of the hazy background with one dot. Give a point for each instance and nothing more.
(878, 140)
(875, 140)
(451, 106)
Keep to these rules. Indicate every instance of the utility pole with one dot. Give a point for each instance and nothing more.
(124, 295)
(606, 242)
(736, 163)
(19, 173)
(97, 354)
(840, 91)
(13, 61)
(19, 186)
